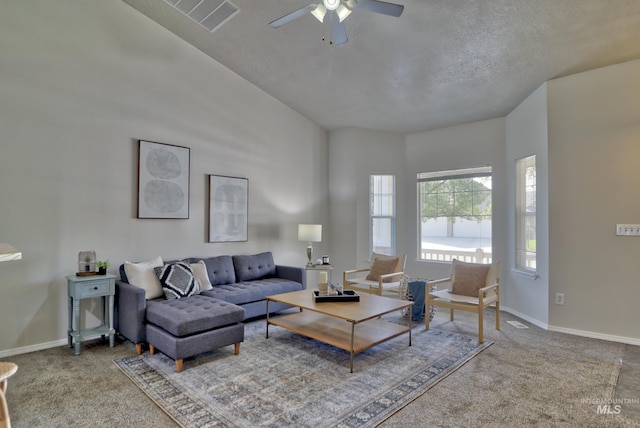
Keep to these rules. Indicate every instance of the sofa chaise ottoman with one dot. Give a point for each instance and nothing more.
(186, 327)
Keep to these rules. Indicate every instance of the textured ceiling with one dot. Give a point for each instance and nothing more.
(443, 62)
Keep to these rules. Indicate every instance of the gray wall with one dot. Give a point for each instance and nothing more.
(356, 153)
(81, 81)
(584, 130)
(594, 176)
(526, 134)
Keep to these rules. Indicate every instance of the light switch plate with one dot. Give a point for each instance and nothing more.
(628, 229)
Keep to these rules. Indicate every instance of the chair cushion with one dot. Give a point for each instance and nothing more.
(468, 278)
(382, 267)
(448, 296)
(143, 276)
(177, 280)
(358, 283)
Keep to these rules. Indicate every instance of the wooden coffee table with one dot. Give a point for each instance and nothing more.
(326, 321)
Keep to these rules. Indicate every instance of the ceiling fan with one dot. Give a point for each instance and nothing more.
(335, 11)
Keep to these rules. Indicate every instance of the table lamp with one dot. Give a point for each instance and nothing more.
(310, 233)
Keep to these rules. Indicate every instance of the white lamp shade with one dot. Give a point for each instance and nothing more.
(310, 232)
(7, 253)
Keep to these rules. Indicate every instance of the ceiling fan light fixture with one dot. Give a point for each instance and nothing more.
(343, 12)
(331, 13)
(319, 12)
(331, 4)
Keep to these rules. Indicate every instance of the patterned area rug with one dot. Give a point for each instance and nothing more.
(291, 381)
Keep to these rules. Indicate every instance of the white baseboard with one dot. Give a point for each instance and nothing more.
(594, 335)
(574, 332)
(527, 318)
(32, 348)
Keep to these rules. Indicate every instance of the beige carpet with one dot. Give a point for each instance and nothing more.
(528, 377)
(293, 381)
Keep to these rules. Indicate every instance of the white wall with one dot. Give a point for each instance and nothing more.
(594, 176)
(526, 134)
(82, 80)
(464, 146)
(355, 154)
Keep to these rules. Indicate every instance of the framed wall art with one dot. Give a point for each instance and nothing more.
(163, 181)
(228, 208)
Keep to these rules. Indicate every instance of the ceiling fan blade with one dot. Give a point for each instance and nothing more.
(337, 30)
(292, 16)
(382, 7)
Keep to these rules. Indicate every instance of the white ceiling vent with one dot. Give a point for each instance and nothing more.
(211, 14)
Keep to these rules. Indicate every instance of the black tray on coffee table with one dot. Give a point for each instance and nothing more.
(342, 296)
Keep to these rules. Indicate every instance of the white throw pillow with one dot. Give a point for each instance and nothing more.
(201, 276)
(142, 275)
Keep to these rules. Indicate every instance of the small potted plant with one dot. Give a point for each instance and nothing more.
(102, 266)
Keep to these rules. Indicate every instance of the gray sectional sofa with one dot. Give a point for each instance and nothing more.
(210, 319)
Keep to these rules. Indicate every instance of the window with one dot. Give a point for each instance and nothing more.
(382, 214)
(455, 215)
(526, 214)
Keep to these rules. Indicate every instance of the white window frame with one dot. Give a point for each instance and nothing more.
(525, 212)
(382, 206)
(478, 256)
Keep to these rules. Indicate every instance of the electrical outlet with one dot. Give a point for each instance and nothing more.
(559, 298)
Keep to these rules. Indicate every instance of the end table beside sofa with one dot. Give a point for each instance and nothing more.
(83, 287)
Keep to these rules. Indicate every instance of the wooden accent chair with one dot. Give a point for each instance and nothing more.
(5, 422)
(6, 371)
(385, 273)
(474, 287)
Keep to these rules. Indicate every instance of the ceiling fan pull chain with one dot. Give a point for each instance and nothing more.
(323, 32)
(331, 28)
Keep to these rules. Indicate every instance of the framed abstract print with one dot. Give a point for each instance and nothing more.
(163, 181)
(228, 208)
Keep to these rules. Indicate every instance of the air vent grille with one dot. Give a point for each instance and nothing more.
(210, 14)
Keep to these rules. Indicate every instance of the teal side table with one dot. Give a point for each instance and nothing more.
(84, 287)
